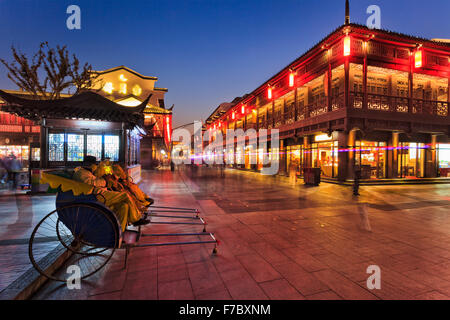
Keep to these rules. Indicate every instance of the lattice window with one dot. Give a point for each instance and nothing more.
(56, 147)
(112, 147)
(94, 145)
(75, 147)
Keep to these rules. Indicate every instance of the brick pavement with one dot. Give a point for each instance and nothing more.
(284, 242)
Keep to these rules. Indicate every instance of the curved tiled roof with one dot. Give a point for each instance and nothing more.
(85, 105)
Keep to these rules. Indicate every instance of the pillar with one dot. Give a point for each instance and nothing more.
(343, 154)
(282, 158)
(392, 156)
(348, 142)
(44, 145)
(430, 159)
(307, 152)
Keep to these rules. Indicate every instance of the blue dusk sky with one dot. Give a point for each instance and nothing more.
(206, 51)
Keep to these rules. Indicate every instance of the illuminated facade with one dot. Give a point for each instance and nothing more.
(360, 99)
(20, 136)
(129, 88)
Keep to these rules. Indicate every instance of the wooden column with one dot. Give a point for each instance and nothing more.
(273, 113)
(393, 170)
(307, 153)
(296, 104)
(410, 82)
(430, 158)
(365, 67)
(44, 144)
(329, 82)
(347, 82)
(345, 160)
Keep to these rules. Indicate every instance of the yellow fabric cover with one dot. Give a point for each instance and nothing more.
(66, 184)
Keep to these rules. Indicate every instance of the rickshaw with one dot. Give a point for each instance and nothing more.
(87, 233)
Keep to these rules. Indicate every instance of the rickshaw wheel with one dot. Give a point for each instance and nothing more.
(76, 245)
(52, 238)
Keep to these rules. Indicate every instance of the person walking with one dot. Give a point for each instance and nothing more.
(356, 182)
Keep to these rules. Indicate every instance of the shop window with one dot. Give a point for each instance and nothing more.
(56, 147)
(370, 157)
(112, 147)
(94, 145)
(75, 147)
(444, 159)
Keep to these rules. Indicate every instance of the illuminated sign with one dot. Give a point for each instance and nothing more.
(108, 87)
(322, 137)
(137, 90)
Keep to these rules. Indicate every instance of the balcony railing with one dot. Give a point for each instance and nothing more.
(437, 108)
(388, 103)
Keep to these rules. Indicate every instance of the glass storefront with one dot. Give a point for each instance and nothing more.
(371, 158)
(411, 162)
(324, 156)
(443, 158)
(21, 153)
(295, 157)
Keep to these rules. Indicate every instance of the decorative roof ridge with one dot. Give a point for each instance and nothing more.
(127, 69)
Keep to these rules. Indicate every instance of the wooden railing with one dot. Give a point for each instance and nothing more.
(388, 103)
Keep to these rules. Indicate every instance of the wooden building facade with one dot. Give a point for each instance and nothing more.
(361, 98)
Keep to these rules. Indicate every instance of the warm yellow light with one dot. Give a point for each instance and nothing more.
(129, 102)
(137, 90)
(243, 109)
(254, 111)
(122, 78)
(347, 46)
(269, 93)
(108, 87)
(322, 137)
(418, 59)
(123, 88)
(291, 79)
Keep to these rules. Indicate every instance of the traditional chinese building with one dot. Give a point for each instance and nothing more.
(361, 98)
(84, 124)
(121, 85)
(128, 88)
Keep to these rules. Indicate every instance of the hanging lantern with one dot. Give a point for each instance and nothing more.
(269, 93)
(233, 116)
(243, 109)
(418, 58)
(291, 79)
(347, 46)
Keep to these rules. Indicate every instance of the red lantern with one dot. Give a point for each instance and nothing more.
(269, 93)
(418, 59)
(347, 46)
(243, 109)
(291, 79)
(233, 116)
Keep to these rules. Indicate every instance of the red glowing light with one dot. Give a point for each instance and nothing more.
(269, 93)
(233, 116)
(418, 59)
(243, 109)
(347, 46)
(291, 79)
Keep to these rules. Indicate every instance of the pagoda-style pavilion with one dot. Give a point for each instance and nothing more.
(83, 124)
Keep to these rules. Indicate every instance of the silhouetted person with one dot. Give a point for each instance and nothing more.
(356, 182)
